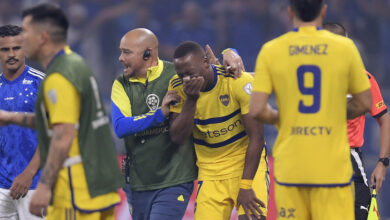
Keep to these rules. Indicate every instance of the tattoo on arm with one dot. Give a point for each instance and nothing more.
(58, 152)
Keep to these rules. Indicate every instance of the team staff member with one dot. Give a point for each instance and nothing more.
(159, 188)
(77, 152)
(19, 170)
(356, 140)
(214, 109)
(311, 153)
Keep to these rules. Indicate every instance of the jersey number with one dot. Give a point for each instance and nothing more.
(314, 91)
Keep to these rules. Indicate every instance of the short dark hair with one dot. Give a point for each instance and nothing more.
(188, 47)
(334, 26)
(10, 30)
(52, 15)
(306, 10)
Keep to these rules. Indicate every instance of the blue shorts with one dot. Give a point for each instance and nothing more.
(162, 204)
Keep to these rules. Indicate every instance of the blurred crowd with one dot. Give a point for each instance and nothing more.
(97, 26)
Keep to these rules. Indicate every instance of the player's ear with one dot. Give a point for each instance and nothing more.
(43, 37)
(324, 9)
(290, 13)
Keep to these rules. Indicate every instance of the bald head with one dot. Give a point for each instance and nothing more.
(336, 28)
(142, 38)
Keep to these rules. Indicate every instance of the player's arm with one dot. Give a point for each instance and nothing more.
(181, 124)
(261, 110)
(246, 196)
(358, 85)
(126, 124)
(64, 112)
(379, 174)
(25, 119)
(359, 104)
(23, 181)
(380, 112)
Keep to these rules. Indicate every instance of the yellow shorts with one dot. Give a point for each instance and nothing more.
(320, 203)
(71, 193)
(216, 198)
(72, 214)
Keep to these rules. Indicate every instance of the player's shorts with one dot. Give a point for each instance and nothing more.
(319, 203)
(362, 189)
(168, 203)
(71, 193)
(58, 213)
(216, 198)
(11, 209)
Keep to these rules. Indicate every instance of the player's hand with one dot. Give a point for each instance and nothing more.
(21, 185)
(170, 97)
(378, 176)
(233, 63)
(250, 203)
(5, 117)
(210, 56)
(40, 200)
(192, 86)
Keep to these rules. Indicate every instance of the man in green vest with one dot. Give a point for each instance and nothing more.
(80, 174)
(160, 173)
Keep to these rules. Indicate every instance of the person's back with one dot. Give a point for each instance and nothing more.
(311, 71)
(311, 85)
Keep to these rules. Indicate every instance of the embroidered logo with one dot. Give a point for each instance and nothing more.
(152, 101)
(27, 82)
(248, 88)
(225, 99)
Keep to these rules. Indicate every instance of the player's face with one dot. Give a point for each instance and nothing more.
(131, 57)
(11, 53)
(190, 66)
(31, 38)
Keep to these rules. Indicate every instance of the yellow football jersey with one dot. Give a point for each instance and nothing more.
(219, 133)
(311, 71)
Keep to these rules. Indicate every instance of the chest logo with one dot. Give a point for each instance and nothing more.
(152, 101)
(27, 82)
(225, 99)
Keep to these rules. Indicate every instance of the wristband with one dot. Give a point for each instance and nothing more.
(246, 184)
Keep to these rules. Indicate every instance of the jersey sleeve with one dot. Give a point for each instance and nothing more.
(262, 81)
(242, 88)
(124, 122)
(176, 84)
(62, 100)
(358, 81)
(378, 105)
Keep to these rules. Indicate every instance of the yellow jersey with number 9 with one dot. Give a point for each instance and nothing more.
(311, 71)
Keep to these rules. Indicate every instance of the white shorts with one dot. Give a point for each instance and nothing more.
(15, 209)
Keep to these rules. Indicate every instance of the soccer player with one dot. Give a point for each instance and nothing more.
(160, 188)
(19, 171)
(214, 109)
(75, 145)
(311, 71)
(356, 140)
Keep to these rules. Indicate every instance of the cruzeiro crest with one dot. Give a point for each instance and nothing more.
(152, 101)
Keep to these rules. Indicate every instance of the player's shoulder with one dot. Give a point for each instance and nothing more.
(175, 82)
(35, 74)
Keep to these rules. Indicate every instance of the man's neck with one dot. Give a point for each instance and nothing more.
(299, 23)
(48, 53)
(145, 71)
(9, 75)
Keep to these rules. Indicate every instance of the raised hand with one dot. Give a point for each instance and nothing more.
(170, 98)
(192, 86)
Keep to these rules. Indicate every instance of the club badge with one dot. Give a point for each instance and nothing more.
(152, 101)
